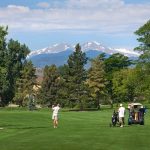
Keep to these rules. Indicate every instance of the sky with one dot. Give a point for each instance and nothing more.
(41, 23)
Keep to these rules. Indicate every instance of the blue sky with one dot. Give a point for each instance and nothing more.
(41, 23)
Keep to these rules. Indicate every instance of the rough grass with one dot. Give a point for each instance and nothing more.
(24, 130)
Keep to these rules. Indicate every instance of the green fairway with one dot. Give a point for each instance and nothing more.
(24, 130)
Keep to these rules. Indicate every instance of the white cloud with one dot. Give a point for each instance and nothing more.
(99, 4)
(43, 5)
(106, 16)
(19, 9)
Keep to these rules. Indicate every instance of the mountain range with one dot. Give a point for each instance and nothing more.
(58, 53)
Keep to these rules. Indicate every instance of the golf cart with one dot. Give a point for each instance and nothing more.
(136, 114)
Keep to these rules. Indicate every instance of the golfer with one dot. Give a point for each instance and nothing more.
(55, 109)
(121, 112)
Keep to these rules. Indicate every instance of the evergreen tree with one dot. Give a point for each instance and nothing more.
(77, 76)
(63, 92)
(50, 85)
(24, 84)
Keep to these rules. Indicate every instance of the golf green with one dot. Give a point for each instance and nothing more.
(25, 130)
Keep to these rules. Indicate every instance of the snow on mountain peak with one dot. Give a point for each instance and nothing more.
(56, 48)
(127, 52)
(55, 45)
(96, 43)
(92, 46)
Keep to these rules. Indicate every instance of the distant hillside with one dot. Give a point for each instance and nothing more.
(58, 54)
(58, 59)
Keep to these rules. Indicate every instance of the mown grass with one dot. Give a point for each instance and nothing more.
(24, 130)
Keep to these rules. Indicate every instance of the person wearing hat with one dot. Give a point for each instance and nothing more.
(121, 113)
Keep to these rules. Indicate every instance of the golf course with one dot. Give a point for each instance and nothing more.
(87, 130)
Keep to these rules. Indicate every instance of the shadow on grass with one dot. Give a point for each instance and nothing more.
(8, 126)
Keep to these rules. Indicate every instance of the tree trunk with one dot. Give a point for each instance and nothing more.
(98, 103)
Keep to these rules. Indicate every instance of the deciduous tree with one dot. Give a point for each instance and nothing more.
(96, 80)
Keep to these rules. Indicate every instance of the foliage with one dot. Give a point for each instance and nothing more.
(13, 57)
(125, 85)
(4, 84)
(16, 59)
(96, 80)
(114, 63)
(3, 44)
(143, 63)
(110, 79)
(24, 84)
(50, 85)
(76, 76)
(143, 34)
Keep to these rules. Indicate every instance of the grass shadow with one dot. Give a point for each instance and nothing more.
(9, 126)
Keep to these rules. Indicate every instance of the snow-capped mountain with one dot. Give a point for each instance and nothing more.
(57, 48)
(126, 52)
(93, 46)
(58, 54)
(99, 47)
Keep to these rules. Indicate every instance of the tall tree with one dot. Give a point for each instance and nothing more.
(114, 63)
(77, 75)
(24, 84)
(96, 80)
(143, 34)
(3, 45)
(143, 64)
(4, 84)
(12, 58)
(125, 85)
(15, 60)
(63, 92)
(50, 85)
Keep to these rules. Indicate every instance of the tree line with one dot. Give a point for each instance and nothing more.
(17, 75)
(109, 80)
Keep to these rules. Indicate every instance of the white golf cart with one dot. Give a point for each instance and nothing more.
(136, 113)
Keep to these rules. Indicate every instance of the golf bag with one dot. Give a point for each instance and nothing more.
(114, 119)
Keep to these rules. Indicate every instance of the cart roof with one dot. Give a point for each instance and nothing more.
(135, 104)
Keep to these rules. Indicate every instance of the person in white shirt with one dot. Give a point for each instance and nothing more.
(121, 113)
(55, 115)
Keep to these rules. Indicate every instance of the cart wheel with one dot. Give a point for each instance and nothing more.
(142, 123)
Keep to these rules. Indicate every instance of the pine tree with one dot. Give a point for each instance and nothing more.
(77, 76)
(50, 85)
(24, 84)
